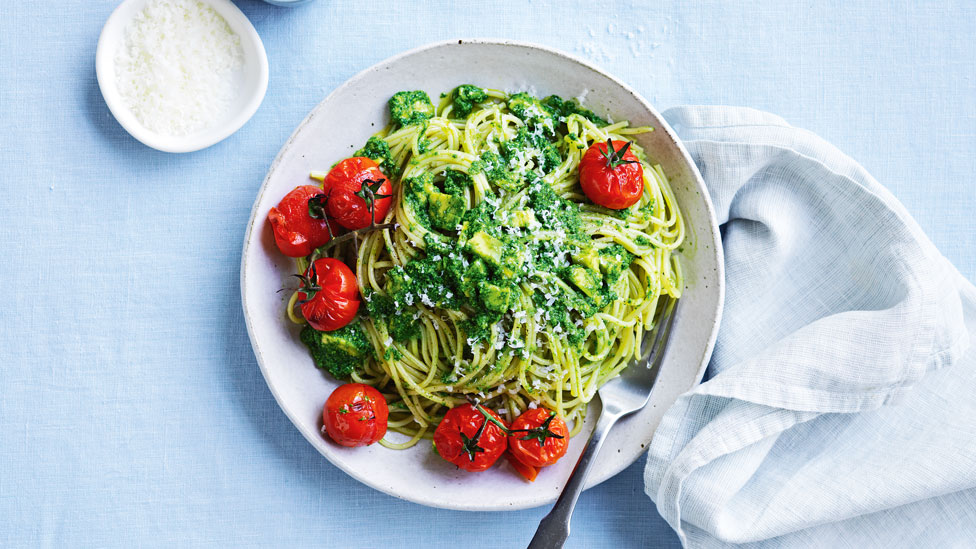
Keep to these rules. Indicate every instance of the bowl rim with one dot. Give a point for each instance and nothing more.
(713, 230)
(105, 74)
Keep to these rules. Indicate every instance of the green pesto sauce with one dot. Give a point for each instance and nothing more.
(340, 352)
(491, 255)
(378, 150)
(411, 107)
(465, 98)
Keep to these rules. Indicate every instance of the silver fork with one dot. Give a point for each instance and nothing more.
(619, 397)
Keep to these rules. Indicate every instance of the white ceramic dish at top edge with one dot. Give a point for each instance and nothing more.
(341, 123)
(254, 81)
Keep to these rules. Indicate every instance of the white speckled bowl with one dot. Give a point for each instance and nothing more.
(339, 125)
(253, 80)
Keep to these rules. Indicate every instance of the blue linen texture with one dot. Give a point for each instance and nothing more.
(838, 408)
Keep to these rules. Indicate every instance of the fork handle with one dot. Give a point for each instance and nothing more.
(554, 527)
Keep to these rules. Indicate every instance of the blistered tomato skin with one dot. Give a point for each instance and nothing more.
(527, 472)
(614, 184)
(297, 233)
(532, 442)
(344, 181)
(335, 295)
(355, 415)
(466, 438)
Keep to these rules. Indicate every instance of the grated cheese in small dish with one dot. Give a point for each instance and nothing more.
(178, 68)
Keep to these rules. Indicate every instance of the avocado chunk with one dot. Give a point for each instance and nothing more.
(396, 282)
(495, 298)
(486, 247)
(587, 257)
(416, 190)
(340, 352)
(445, 210)
(590, 282)
(523, 218)
(339, 343)
(473, 275)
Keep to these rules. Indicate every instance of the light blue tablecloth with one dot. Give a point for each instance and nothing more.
(132, 411)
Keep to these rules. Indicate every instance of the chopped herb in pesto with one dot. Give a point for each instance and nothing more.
(411, 107)
(561, 108)
(465, 98)
(456, 181)
(496, 171)
(378, 150)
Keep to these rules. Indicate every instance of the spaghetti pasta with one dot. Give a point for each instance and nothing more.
(502, 283)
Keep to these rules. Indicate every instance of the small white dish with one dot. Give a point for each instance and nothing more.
(340, 124)
(254, 81)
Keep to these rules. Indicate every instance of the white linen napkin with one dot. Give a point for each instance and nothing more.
(840, 403)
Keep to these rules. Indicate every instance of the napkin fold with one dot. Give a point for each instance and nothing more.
(840, 403)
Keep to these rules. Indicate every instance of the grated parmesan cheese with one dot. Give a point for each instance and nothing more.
(178, 69)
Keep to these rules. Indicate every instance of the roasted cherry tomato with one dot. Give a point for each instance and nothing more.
(528, 472)
(329, 296)
(346, 185)
(538, 438)
(296, 232)
(355, 415)
(468, 439)
(611, 176)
